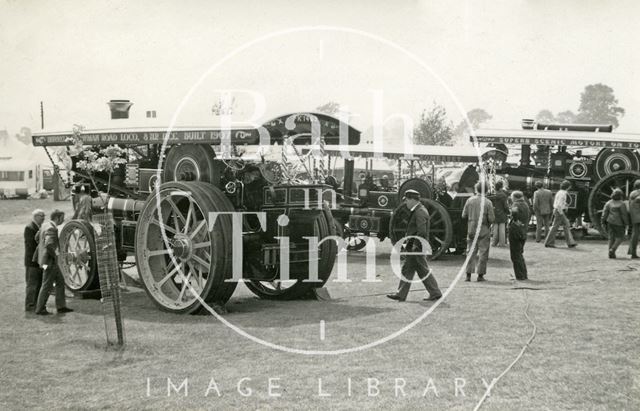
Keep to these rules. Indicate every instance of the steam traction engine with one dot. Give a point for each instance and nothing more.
(591, 157)
(162, 205)
(380, 212)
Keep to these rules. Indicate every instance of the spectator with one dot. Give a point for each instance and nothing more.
(33, 274)
(417, 226)
(615, 218)
(384, 183)
(518, 233)
(634, 214)
(542, 207)
(501, 209)
(47, 254)
(472, 212)
(560, 207)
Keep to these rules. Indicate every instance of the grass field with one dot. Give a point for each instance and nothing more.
(585, 354)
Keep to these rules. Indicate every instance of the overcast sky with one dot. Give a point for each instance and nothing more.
(511, 58)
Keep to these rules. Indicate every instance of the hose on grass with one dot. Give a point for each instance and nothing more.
(518, 357)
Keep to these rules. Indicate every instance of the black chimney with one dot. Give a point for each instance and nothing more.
(119, 108)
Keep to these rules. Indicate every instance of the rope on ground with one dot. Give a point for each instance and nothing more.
(524, 348)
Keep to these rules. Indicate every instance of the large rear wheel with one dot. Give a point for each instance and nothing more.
(182, 264)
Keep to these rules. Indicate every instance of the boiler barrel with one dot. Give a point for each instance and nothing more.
(121, 208)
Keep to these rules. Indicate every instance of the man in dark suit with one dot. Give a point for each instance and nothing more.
(48, 251)
(542, 207)
(417, 226)
(33, 274)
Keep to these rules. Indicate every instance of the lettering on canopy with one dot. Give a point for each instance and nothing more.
(240, 137)
(551, 141)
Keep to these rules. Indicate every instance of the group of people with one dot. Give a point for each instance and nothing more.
(481, 216)
(42, 274)
(487, 219)
(616, 217)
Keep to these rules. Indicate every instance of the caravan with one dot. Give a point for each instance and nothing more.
(19, 178)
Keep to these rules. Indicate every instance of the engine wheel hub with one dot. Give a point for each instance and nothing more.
(181, 246)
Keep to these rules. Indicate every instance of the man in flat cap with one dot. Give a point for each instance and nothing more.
(416, 261)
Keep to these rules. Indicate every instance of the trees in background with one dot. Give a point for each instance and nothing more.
(598, 105)
(434, 127)
(330, 108)
(476, 117)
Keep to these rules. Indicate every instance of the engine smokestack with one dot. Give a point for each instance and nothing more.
(119, 108)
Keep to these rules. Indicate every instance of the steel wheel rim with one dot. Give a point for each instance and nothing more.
(178, 263)
(78, 259)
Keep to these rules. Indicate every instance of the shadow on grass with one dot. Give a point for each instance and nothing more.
(137, 306)
(258, 313)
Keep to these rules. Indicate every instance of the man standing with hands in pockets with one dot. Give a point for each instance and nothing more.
(542, 207)
(417, 226)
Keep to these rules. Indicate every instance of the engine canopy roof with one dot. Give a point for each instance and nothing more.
(303, 127)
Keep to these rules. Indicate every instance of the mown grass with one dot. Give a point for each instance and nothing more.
(584, 356)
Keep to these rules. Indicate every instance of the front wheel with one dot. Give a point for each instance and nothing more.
(276, 289)
(78, 256)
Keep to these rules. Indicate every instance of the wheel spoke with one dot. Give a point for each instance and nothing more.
(197, 229)
(189, 217)
(165, 226)
(201, 245)
(199, 278)
(166, 277)
(200, 261)
(185, 284)
(154, 253)
(177, 214)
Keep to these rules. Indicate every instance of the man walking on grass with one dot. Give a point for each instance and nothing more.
(418, 226)
(560, 207)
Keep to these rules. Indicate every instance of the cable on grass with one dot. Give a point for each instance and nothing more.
(524, 348)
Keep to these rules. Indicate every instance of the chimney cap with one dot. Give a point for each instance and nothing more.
(119, 108)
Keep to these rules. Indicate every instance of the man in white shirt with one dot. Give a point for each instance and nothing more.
(560, 206)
